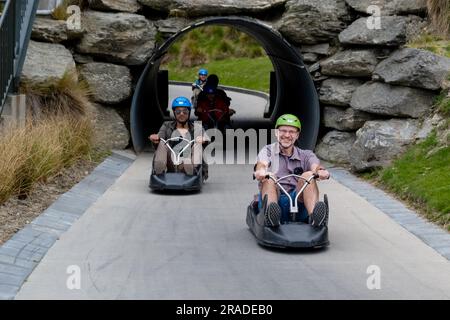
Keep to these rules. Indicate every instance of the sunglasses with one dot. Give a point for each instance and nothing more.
(181, 111)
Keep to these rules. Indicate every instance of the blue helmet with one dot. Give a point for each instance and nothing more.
(203, 72)
(181, 102)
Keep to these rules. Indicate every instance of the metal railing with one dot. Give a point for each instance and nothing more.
(16, 22)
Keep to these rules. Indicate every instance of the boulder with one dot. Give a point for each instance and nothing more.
(335, 147)
(46, 63)
(390, 7)
(314, 67)
(212, 7)
(429, 124)
(124, 38)
(345, 119)
(323, 49)
(312, 22)
(55, 31)
(170, 26)
(379, 142)
(415, 27)
(338, 91)
(392, 32)
(108, 83)
(110, 129)
(310, 57)
(82, 59)
(350, 63)
(131, 6)
(415, 68)
(384, 99)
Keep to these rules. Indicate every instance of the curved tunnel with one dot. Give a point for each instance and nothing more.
(295, 90)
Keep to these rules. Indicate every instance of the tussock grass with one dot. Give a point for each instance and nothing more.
(60, 12)
(432, 42)
(68, 97)
(212, 43)
(439, 13)
(58, 132)
(38, 151)
(191, 54)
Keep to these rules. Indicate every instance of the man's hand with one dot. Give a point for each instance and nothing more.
(323, 174)
(260, 174)
(154, 138)
(199, 140)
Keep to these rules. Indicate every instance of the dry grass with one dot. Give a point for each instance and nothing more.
(38, 151)
(439, 13)
(58, 132)
(60, 12)
(432, 42)
(68, 97)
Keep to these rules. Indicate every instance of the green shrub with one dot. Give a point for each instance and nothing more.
(422, 177)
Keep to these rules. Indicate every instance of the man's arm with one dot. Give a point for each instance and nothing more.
(161, 134)
(261, 170)
(262, 163)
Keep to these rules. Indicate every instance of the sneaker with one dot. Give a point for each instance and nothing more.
(319, 216)
(272, 215)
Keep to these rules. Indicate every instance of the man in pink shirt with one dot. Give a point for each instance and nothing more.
(283, 158)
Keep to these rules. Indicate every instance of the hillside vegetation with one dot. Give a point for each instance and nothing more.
(421, 176)
(237, 58)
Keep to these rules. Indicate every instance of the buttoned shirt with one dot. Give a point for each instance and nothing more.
(282, 165)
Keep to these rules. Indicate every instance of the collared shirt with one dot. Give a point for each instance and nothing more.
(282, 165)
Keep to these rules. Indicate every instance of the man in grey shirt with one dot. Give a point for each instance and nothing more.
(283, 158)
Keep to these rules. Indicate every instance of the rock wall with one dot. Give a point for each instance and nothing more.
(375, 93)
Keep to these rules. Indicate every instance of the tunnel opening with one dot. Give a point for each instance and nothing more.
(292, 88)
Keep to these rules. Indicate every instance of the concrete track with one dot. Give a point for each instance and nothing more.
(133, 244)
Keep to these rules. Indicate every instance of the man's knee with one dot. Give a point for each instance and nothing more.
(268, 183)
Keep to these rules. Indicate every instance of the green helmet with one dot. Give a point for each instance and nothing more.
(288, 120)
